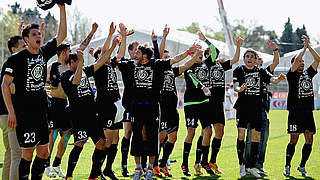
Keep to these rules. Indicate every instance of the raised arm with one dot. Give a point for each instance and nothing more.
(78, 74)
(315, 55)
(183, 55)
(189, 63)
(106, 44)
(156, 52)
(214, 52)
(273, 46)
(166, 31)
(42, 31)
(21, 27)
(62, 29)
(123, 33)
(276, 80)
(5, 87)
(105, 58)
(84, 44)
(297, 60)
(236, 56)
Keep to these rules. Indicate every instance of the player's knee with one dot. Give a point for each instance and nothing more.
(172, 138)
(127, 133)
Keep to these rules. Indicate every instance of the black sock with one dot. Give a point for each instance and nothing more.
(240, 150)
(289, 154)
(47, 163)
(253, 154)
(216, 144)
(156, 159)
(167, 150)
(205, 153)
(186, 151)
(24, 169)
(145, 157)
(56, 162)
(306, 151)
(199, 149)
(73, 159)
(38, 167)
(110, 158)
(125, 143)
(97, 161)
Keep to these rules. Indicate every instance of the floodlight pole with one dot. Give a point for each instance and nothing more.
(226, 28)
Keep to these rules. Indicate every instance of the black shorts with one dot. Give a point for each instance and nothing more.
(86, 125)
(169, 119)
(83, 134)
(250, 117)
(192, 115)
(107, 114)
(145, 115)
(127, 105)
(58, 115)
(217, 112)
(301, 122)
(32, 129)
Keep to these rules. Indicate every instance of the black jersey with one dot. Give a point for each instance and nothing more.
(217, 78)
(55, 77)
(30, 72)
(169, 90)
(300, 96)
(106, 83)
(80, 96)
(266, 94)
(146, 78)
(196, 74)
(254, 78)
(3, 108)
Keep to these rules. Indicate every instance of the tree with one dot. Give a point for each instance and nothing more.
(287, 39)
(192, 28)
(10, 22)
(51, 27)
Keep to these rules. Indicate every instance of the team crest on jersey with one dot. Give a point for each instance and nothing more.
(37, 72)
(216, 74)
(201, 74)
(250, 81)
(142, 74)
(306, 85)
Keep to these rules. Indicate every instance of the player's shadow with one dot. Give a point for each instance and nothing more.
(202, 177)
(263, 176)
(293, 178)
(1, 165)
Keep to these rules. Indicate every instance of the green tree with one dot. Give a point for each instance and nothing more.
(51, 27)
(10, 22)
(287, 39)
(192, 28)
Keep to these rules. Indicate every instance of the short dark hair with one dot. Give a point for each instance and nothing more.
(13, 42)
(97, 51)
(130, 47)
(206, 52)
(62, 47)
(165, 51)
(72, 56)
(251, 51)
(293, 58)
(26, 30)
(146, 50)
